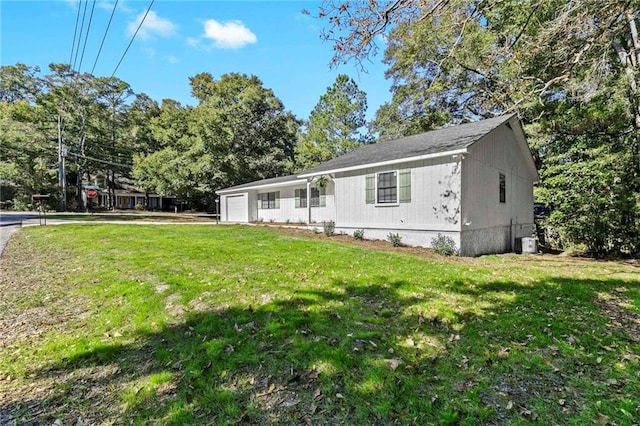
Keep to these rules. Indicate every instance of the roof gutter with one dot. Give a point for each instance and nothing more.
(386, 163)
(258, 185)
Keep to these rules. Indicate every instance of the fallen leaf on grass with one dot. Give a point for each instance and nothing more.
(626, 413)
(289, 401)
(394, 363)
(313, 374)
(317, 395)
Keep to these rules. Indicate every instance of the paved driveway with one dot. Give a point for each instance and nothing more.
(5, 234)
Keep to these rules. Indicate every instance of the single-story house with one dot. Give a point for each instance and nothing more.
(472, 182)
(126, 196)
(127, 200)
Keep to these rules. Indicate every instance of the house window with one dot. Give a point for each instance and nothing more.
(318, 198)
(269, 200)
(387, 187)
(301, 198)
(503, 188)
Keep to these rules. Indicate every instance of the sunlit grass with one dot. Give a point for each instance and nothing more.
(200, 324)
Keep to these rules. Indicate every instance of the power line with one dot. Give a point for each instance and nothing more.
(84, 14)
(105, 36)
(75, 32)
(100, 161)
(86, 37)
(133, 38)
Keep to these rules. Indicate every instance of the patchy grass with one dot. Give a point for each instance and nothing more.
(236, 324)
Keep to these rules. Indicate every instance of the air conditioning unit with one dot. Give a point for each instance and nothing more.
(529, 245)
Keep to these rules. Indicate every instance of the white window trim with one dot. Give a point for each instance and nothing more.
(397, 203)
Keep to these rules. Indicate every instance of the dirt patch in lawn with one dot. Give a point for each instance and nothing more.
(30, 311)
(621, 313)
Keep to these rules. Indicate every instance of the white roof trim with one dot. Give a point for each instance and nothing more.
(258, 185)
(387, 163)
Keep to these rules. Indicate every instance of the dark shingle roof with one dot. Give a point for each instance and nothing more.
(433, 142)
(436, 141)
(264, 182)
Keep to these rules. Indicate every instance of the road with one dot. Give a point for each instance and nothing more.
(10, 222)
(16, 218)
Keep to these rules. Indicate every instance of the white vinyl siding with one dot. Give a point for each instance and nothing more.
(428, 198)
(495, 169)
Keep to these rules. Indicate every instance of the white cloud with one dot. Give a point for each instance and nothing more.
(172, 59)
(228, 35)
(193, 42)
(153, 25)
(122, 7)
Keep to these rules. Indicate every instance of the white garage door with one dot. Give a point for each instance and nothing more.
(237, 209)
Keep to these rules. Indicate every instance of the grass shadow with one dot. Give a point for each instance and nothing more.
(368, 353)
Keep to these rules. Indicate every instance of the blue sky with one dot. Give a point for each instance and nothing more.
(179, 39)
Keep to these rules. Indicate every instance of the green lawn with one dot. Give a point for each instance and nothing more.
(132, 216)
(235, 324)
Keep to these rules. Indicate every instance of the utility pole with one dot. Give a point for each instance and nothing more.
(62, 175)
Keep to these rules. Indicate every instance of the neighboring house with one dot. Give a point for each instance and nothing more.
(126, 199)
(472, 182)
(128, 196)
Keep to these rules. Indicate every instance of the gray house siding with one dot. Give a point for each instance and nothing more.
(488, 225)
(288, 211)
(434, 207)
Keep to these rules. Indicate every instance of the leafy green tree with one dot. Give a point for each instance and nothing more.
(108, 146)
(334, 126)
(19, 82)
(27, 154)
(392, 121)
(239, 132)
(142, 112)
(589, 178)
(28, 144)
